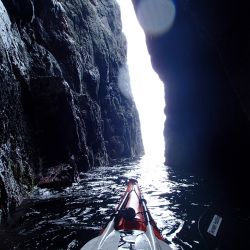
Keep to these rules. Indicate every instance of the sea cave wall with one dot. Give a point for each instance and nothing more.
(203, 61)
(65, 97)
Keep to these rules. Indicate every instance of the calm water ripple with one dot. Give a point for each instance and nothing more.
(66, 219)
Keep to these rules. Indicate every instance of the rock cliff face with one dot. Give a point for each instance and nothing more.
(64, 93)
(204, 63)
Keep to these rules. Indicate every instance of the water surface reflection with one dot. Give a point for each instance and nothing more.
(66, 219)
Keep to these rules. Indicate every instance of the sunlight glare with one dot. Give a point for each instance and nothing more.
(147, 88)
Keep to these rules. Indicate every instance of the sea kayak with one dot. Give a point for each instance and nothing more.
(130, 227)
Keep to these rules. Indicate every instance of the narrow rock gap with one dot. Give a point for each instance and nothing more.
(147, 88)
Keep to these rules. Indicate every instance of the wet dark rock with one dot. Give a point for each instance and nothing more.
(204, 63)
(60, 99)
(59, 176)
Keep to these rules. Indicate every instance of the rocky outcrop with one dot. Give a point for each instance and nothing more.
(64, 90)
(59, 176)
(203, 61)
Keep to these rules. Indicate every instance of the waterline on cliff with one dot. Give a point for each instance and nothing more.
(147, 88)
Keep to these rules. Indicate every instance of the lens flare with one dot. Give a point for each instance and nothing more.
(124, 82)
(156, 17)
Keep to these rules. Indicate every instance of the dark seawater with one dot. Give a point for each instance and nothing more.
(182, 205)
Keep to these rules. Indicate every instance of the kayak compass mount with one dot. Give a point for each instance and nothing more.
(126, 213)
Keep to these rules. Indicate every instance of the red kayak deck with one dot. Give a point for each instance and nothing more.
(131, 227)
(139, 222)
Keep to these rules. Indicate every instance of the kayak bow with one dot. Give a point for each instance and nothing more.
(131, 226)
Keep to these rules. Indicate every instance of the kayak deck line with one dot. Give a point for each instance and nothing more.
(139, 222)
(130, 227)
